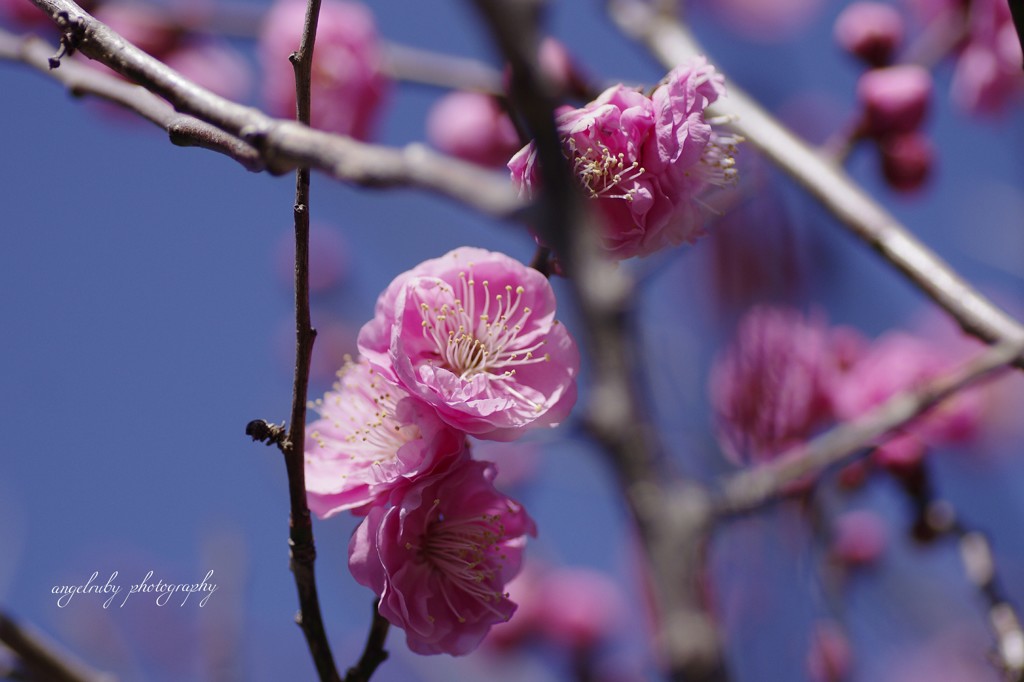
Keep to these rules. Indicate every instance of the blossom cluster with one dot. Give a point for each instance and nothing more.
(644, 159)
(785, 376)
(465, 344)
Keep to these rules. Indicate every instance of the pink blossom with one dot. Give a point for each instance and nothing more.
(441, 556)
(644, 159)
(895, 99)
(859, 537)
(898, 362)
(869, 30)
(370, 439)
(348, 82)
(770, 389)
(907, 160)
(24, 14)
(473, 333)
(472, 126)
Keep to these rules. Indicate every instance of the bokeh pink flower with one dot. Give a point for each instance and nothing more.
(772, 387)
(473, 334)
(441, 556)
(472, 126)
(644, 159)
(348, 81)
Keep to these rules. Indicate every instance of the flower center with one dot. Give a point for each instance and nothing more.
(474, 336)
(601, 172)
(465, 553)
(361, 409)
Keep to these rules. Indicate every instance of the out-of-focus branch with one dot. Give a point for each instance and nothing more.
(42, 658)
(440, 70)
(287, 145)
(300, 540)
(752, 488)
(673, 44)
(81, 81)
(935, 520)
(670, 514)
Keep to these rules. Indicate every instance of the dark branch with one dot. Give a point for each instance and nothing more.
(42, 658)
(303, 549)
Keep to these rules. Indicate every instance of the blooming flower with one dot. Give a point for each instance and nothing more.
(643, 159)
(771, 388)
(441, 556)
(371, 438)
(473, 334)
(348, 83)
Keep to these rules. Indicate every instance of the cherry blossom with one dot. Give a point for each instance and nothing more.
(473, 333)
(644, 159)
(371, 438)
(441, 556)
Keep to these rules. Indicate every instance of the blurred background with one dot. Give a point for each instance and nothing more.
(146, 317)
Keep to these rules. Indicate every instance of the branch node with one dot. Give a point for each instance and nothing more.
(72, 33)
(269, 434)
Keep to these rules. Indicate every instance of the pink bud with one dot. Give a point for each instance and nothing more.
(907, 160)
(859, 538)
(870, 31)
(473, 127)
(556, 63)
(895, 99)
(582, 607)
(830, 658)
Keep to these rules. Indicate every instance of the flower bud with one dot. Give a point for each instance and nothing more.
(895, 99)
(860, 538)
(472, 126)
(907, 161)
(870, 31)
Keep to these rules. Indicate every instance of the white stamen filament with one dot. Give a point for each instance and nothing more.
(470, 340)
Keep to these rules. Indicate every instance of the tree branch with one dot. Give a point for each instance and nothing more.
(43, 658)
(303, 549)
(286, 145)
(670, 515)
(750, 489)
(673, 44)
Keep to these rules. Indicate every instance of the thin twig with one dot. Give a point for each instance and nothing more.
(303, 549)
(748, 490)
(672, 44)
(670, 514)
(43, 658)
(373, 653)
(286, 145)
